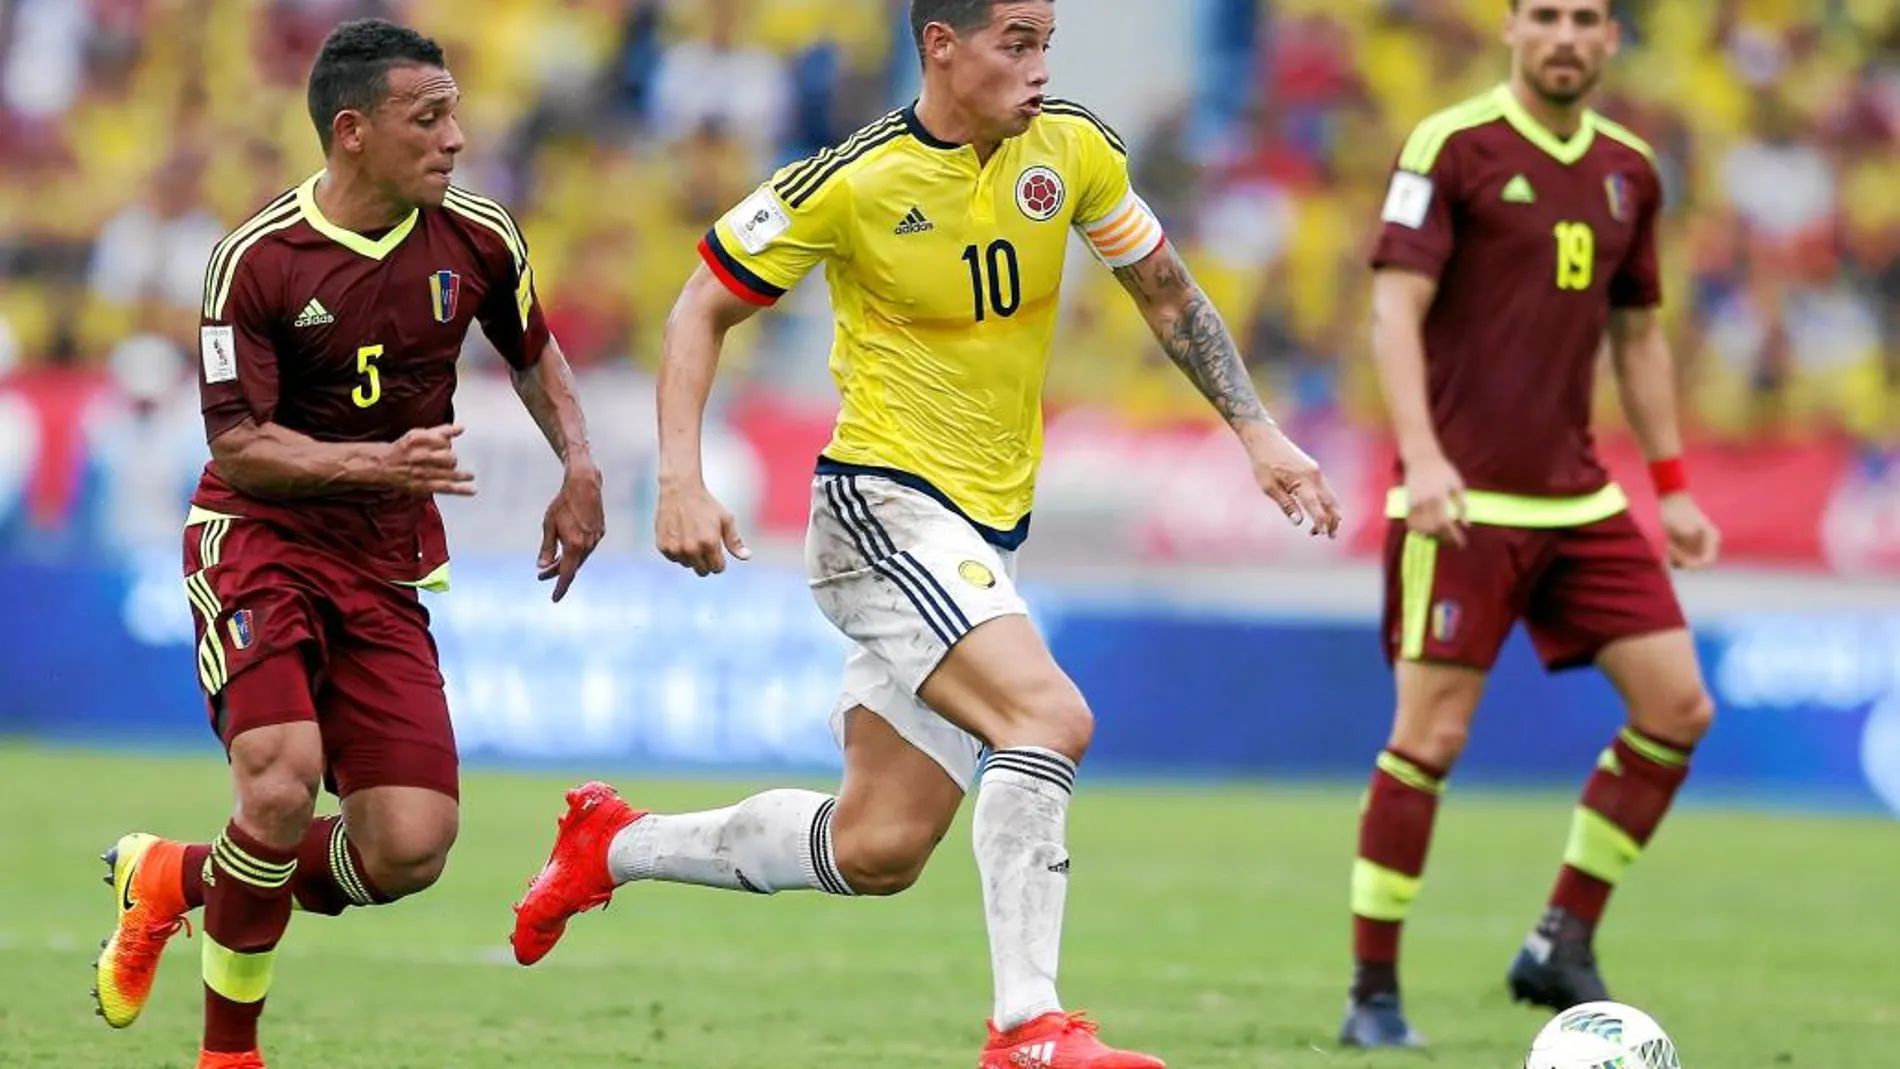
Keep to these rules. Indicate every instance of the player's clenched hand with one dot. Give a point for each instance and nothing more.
(1694, 541)
(423, 462)
(574, 524)
(1435, 500)
(692, 529)
(1293, 480)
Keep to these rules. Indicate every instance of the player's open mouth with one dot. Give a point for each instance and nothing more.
(1033, 105)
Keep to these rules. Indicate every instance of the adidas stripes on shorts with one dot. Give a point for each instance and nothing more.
(904, 577)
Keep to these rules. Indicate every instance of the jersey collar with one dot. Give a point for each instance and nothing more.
(916, 128)
(1565, 152)
(374, 249)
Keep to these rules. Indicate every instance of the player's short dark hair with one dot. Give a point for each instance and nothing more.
(352, 68)
(1609, 6)
(960, 15)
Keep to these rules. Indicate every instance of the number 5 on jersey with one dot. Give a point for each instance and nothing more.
(1576, 255)
(371, 389)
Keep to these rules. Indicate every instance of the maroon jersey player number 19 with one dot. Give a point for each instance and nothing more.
(1533, 241)
(1517, 234)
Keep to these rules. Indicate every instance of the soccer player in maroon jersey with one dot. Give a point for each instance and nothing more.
(332, 324)
(1519, 228)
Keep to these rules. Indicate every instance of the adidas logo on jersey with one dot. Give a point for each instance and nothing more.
(914, 223)
(1518, 191)
(313, 315)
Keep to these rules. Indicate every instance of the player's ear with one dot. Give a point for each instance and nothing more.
(347, 130)
(939, 40)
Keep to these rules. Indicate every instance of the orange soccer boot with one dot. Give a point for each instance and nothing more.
(146, 875)
(1058, 1041)
(576, 878)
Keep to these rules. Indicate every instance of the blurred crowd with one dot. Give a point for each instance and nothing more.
(134, 132)
(1776, 125)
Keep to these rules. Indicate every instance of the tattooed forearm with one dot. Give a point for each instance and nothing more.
(534, 397)
(1199, 343)
(1193, 335)
(547, 392)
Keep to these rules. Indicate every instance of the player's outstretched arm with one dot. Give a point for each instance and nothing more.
(575, 521)
(690, 527)
(1435, 493)
(1195, 337)
(274, 463)
(1646, 386)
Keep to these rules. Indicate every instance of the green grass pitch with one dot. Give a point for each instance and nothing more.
(1204, 925)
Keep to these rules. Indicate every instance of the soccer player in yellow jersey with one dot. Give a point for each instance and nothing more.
(943, 230)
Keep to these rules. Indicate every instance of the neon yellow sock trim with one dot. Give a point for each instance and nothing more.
(238, 977)
(1409, 774)
(1598, 847)
(1655, 751)
(1381, 894)
(242, 866)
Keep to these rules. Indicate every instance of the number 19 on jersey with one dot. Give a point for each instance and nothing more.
(1576, 255)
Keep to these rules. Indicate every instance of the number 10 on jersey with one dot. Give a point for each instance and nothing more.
(996, 282)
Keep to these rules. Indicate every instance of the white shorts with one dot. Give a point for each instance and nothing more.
(904, 577)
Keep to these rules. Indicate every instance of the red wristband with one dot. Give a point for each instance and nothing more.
(1669, 476)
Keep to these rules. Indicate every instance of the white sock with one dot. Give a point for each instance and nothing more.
(1021, 812)
(776, 841)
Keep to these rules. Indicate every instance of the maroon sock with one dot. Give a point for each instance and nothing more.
(1395, 833)
(247, 907)
(194, 873)
(330, 874)
(1632, 787)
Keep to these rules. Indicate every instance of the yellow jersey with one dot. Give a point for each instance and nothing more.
(944, 275)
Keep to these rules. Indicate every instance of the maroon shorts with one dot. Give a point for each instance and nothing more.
(1577, 589)
(288, 632)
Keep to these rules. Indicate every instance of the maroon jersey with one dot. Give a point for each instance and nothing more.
(1533, 241)
(354, 338)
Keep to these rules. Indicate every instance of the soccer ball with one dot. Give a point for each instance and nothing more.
(1602, 1035)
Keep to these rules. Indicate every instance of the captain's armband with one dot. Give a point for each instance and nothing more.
(1127, 235)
